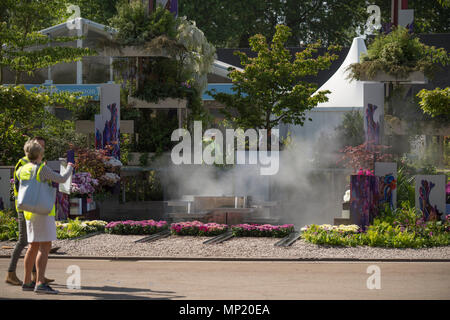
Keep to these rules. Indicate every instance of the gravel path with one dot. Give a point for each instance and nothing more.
(186, 246)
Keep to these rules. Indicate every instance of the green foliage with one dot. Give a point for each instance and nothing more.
(230, 24)
(9, 228)
(23, 114)
(136, 28)
(73, 229)
(269, 90)
(405, 187)
(125, 148)
(78, 228)
(144, 187)
(60, 135)
(33, 15)
(398, 54)
(402, 228)
(17, 56)
(182, 75)
(99, 11)
(260, 231)
(351, 131)
(86, 111)
(154, 129)
(435, 102)
(163, 80)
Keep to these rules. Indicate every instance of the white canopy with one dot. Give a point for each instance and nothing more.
(345, 93)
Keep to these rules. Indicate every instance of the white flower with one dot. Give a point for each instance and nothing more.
(113, 162)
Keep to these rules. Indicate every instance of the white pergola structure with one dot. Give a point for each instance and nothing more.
(93, 32)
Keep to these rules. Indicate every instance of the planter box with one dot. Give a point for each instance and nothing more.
(416, 77)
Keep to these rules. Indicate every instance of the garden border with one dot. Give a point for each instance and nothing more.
(236, 259)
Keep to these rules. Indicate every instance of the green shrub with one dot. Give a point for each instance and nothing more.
(77, 228)
(9, 228)
(402, 228)
(265, 230)
(398, 54)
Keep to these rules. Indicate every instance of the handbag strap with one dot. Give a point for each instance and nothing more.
(38, 174)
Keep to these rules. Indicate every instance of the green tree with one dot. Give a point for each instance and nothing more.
(181, 73)
(33, 15)
(398, 54)
(430, 16)
(23, 114)
(99, 11)
(270, 90)
(24, 49)
(231, 23)
(351, 131)
(435, 102)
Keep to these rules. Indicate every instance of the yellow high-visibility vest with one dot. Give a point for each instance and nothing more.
(25, 174)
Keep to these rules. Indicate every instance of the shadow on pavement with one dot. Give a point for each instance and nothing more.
(115, 293)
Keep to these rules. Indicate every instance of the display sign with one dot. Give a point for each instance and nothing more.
(373, 112)
(430, 196)
(107, 123)
(387, 171)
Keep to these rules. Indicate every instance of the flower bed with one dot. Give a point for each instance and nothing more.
(265, 230)
(77, 228)
(197, 228)
(343, 229)
(135, 227)
(404, 228)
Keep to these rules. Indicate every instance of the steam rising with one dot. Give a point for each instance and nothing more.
(305, 194)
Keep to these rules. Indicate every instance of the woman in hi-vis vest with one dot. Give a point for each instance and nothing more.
(41, 229)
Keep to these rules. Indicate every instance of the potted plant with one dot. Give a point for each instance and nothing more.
(81, 191)
(398, 57)
(102, 168)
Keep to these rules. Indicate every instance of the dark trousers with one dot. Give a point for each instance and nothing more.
(21, 243)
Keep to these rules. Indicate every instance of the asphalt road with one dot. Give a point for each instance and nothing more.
(213, 280)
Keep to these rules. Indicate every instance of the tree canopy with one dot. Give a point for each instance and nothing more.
(270, 90)
(231, 23)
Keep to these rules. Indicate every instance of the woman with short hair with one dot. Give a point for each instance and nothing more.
(22, 242)
(41, 229)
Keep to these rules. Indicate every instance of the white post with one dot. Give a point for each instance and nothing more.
(111, 71)
(49, 69)
(80, 62)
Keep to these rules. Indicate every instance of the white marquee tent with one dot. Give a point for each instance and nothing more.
(346, 95)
